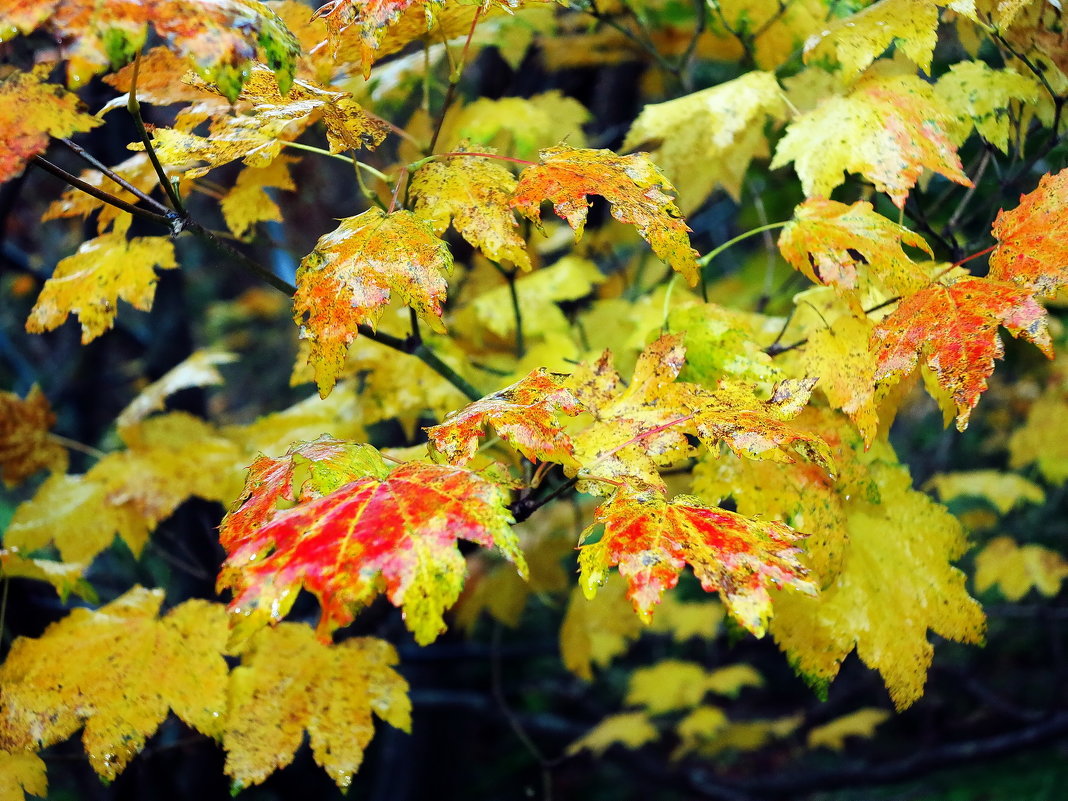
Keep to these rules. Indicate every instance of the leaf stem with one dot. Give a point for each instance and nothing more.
(454, 80)
(74, 445)
(340, 157)
(704, 260)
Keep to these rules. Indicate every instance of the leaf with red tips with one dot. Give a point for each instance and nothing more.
(651, 539)
(955, 329)
(31, 111)
(524, 415)
(349, 279)
(634, 187)
(358, 530)
(1032, 249)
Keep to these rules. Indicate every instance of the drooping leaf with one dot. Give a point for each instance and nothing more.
(1004, 491)
(858, 39)
(349, 277)
(955, 329)
(289, 682)
(370, 20)
(861, 723)
(358, 530)
(1032, 249)
(247, 203)
(839, 245)
(597, 630)
(1016, 569)
(31, 111)
(652, 539)
(525, 415)
(629, 729)
(92, 281)
(22, 773)
(25, 446)
(472, 193)
(198, 370)
(632, 185)
(981, 99)
(886, 129)
(703, 139)
(117, 671)
(64, 577)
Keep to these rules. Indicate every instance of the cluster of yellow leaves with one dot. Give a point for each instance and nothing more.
(259, 711)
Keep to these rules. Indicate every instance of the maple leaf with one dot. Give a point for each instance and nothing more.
(160, 80)
(524, 415)
(955, 329)
(709, 137)
(1032, 251)
(31, 111)
(358, 530)
(673, 684)
(632, 185)
(1016, 569)
(116, 671)
(349, 277)
(893, 547)
(828, 241)
(1032, 442)
(472, 192)
(597, 630)
(980, 98)
(858, 39)
(288, 682)
(91, 282)
(372, 19)
(25, 445)
(651, 539)
(248, 203)
(861, 723)
(630, 729)
(1003, 491)
(197, 370)
(65, 578)
(887, 129)
(520, 126)
(21, 774)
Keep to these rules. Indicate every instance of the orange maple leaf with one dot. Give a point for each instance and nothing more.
(634, 187)
(25, 446)
(955, 328)
(350, 276)
(1032, 249)
(30, 112)
(651, 539)
(523, 415)
(357, 530)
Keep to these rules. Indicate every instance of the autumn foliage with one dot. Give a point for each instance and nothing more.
(551, 371)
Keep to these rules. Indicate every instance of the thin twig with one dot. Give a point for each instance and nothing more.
(97, 164)
(99, 194)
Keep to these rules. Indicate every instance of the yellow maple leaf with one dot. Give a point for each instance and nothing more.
(861, 723)
(197, 370)
(349, 277)
(597, 630)
(1004, 491)
(629, 729)
(248, 203)
(518, 126)
(685, 620)
(1016, 569)
(887, 129)
(1032, 442)
(64, 577)
(858, 39)
(701, 726)
(25, 445)
(980, 97)
(704, 139)
(896, 582)
(289, 682)
(91, 282)
(22, 773)
(668, 685)
(116, 671)
(472, 193)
